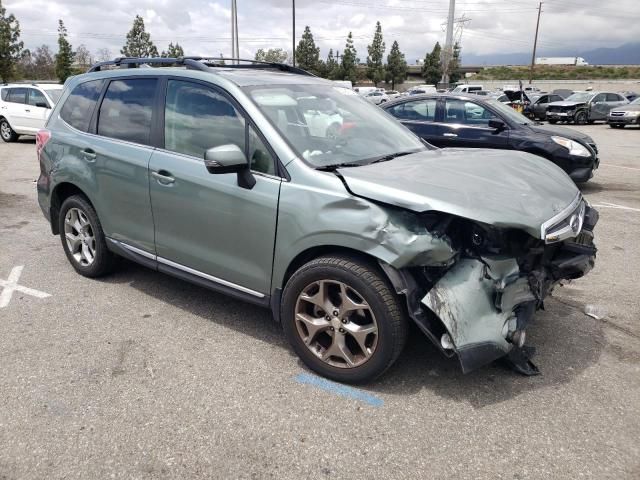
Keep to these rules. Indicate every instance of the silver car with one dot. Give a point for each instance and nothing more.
(584, 107)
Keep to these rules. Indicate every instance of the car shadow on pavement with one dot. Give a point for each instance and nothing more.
(567, 342)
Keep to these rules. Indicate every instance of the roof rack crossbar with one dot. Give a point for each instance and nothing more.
(196, 63)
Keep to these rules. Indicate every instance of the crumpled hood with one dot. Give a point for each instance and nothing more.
(497, 187)
(566, 104)
(569, 133)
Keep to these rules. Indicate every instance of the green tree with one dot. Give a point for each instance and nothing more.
(332, 66)
(307, 54)
(349, 61)
(173, 51)
(139, 42)
(11, 48)
(454, 65)
(432, 67)
(274, 55)
(64, 57)
(396, 66)
(375, 67)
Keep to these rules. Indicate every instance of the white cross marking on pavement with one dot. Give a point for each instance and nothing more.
(11, 285)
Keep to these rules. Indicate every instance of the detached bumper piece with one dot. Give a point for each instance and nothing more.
(486, 303)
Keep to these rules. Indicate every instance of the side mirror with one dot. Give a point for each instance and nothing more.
(42, 104)
(497, 124)
(230, 159)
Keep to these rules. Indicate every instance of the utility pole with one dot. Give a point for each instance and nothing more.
(293, 54)
(535, 44)
(338, 56)
(447, 53)
(235, 48)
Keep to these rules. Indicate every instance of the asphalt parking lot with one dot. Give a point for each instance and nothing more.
(139, 375)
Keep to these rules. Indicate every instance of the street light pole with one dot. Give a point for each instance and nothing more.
(293, 54)
(535, 44)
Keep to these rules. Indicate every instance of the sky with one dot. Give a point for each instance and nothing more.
(203, 27)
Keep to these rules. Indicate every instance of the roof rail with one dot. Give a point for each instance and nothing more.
(196, 63)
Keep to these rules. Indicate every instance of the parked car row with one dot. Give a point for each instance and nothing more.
(287, 191)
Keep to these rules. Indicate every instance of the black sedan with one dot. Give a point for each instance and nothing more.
(470, 121)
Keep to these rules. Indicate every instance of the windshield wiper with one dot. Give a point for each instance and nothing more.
(385, 158)
(333, 166)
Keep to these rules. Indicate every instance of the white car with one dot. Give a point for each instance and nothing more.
(392, 94)
(377, 97)
(24, 108)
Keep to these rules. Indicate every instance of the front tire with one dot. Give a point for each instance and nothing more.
(6, 132)
(581, 118)
(343, 319)
(82, 238)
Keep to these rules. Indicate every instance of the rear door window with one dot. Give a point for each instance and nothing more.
(613, 97)
(79, 105)
(17, 95)
(421, 110)
(127, 110)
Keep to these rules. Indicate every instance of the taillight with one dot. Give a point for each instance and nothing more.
(42, 137)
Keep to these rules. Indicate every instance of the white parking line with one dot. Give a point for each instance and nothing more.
(619, 166)
(11, 285)
(613, 205)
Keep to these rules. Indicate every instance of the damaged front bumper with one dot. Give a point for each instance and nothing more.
(485, 303)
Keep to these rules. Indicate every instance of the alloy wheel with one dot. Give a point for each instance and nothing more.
(336, 323)
(80, 237)
(5, 130)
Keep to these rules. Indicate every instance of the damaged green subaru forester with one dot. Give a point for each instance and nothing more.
(276, 187)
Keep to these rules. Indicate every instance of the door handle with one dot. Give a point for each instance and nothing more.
(88, 154)
(27, 110)
(449, 134)
(163, 177)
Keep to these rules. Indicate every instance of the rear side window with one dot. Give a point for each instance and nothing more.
(613, 97)
(17, 95)
(421, 110)
(80, 103)
(127, 109)
(3, 93)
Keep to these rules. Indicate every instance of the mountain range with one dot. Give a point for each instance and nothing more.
(627, 54)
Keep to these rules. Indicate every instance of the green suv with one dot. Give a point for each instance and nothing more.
(271, 185)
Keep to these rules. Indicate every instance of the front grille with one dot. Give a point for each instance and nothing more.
(594, 147)
(616, 114)
(554, 109)
(567, 227)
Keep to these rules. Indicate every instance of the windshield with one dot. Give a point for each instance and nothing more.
(636, 101)
(54, 95)
(330, 126)
(579, 97)
(508, 112)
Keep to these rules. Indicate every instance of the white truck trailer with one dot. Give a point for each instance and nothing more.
(577, 61)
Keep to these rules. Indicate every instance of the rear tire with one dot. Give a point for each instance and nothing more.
(6, 132)
(82, 238)
(343, 319)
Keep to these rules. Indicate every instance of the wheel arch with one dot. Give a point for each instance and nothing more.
(59, 194)
(315, 252)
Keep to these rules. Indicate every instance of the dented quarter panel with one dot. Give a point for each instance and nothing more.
(523, 192)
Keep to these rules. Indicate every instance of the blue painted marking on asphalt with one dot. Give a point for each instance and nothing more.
(339, 389)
